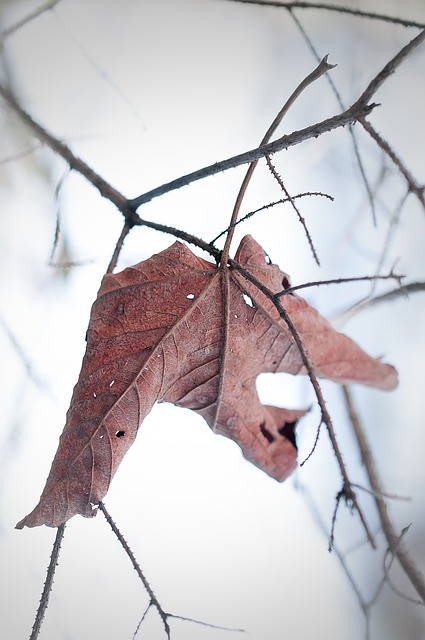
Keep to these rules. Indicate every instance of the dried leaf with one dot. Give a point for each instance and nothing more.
(175, 328)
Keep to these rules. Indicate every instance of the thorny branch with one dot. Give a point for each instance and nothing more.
(47, 589)
(153, 599)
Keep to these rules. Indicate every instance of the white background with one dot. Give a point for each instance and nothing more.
(145, 92)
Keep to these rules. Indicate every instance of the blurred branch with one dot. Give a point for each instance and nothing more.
(413, 186)
(31, 16)
(404, 290)
(357, 13)
(396, 546)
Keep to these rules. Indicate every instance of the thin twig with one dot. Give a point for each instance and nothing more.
(322, 68)
(58, 216)
(397, 548)
(313, 448)
(76, 163)
(356, 111)
(413, 186)
(24, 358)
(119, 245)
(47, 589)
(153, 599)
(382, 494)
(269, 206)
(342, 106)
(301, 219)
(403, 291)
(313, 507)
(356, 13)
(318, 283)
(31, 16)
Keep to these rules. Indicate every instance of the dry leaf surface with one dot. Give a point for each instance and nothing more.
(175, 328)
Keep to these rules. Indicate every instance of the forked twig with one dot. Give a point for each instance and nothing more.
(153, 599)
(322, 68)
(47, 589)
(337, 95)
(300, 217)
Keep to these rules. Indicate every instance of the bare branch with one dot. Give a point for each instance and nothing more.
(301, 218)
(341, 106)
(389, 276)
(356, 111)
(356, 13)
(395, 544)
(47, 589)
(270, 205)
(403, 291)
(413, 186)
(31, 16)
(322, 68)
(153, 599)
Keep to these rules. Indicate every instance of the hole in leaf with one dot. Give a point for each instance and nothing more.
(266, 433)
(248, 300)
(120, 434)
(288, 431)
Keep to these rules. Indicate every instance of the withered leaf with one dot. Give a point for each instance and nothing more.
(175, 328)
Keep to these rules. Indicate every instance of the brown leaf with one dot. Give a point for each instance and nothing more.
(175, 328)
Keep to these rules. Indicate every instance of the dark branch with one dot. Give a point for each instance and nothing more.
(47, 589)
(358, 110)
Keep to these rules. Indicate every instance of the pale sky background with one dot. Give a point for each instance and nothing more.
(145, 92)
